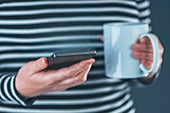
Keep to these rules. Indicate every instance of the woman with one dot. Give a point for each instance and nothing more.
(37, 28)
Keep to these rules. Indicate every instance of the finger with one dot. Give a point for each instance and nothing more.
(145, 40)
(83, 77)
(143, 55)
(39, 65)
(36, 66)
(142, 47)
(102, 38)
(77, 68)
(147, 63)
(68, 72)
(74, 81)
(161, 49)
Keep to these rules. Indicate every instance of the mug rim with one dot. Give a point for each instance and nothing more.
(124, 24)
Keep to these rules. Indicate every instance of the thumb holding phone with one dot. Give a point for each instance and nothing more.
(32, 80)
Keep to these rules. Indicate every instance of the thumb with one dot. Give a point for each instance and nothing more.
(39, 65)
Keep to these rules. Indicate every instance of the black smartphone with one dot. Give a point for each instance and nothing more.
(65, 59)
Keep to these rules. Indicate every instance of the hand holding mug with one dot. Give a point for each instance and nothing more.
(120, 39)
(144, 52)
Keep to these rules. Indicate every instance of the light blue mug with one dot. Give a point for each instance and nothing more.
(118, 41)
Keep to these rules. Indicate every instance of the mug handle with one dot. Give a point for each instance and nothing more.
(156, 57)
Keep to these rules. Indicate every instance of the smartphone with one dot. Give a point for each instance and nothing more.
(65, 59)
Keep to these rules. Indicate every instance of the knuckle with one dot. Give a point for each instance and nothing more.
(146, 55)
(162, 50)
(149, 56)
(136, 46)
(147, 46)
(49, 82)
(68, 71)
(137, 54)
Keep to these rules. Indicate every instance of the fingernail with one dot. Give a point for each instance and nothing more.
(90, 61)
(44, 61)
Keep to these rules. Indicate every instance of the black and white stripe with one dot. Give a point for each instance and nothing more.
(36, 28)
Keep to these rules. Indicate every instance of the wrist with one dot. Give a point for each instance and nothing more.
(150, 75)
(150, 78)
(25, 101)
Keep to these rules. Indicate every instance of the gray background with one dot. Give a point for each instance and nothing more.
(156, 97)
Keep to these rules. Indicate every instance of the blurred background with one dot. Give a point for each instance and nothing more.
(156, 97)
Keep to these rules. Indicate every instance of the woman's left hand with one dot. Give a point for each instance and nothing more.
(144, 52)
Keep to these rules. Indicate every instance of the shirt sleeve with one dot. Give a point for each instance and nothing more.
(8, 92)
(137, 83)
(144, 16)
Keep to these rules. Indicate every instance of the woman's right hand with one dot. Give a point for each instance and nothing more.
(32, 80)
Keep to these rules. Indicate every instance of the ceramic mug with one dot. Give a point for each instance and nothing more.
(118, 41)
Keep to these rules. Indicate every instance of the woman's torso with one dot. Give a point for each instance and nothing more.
(37, 28)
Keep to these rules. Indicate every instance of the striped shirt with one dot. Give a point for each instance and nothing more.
(30, 29)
